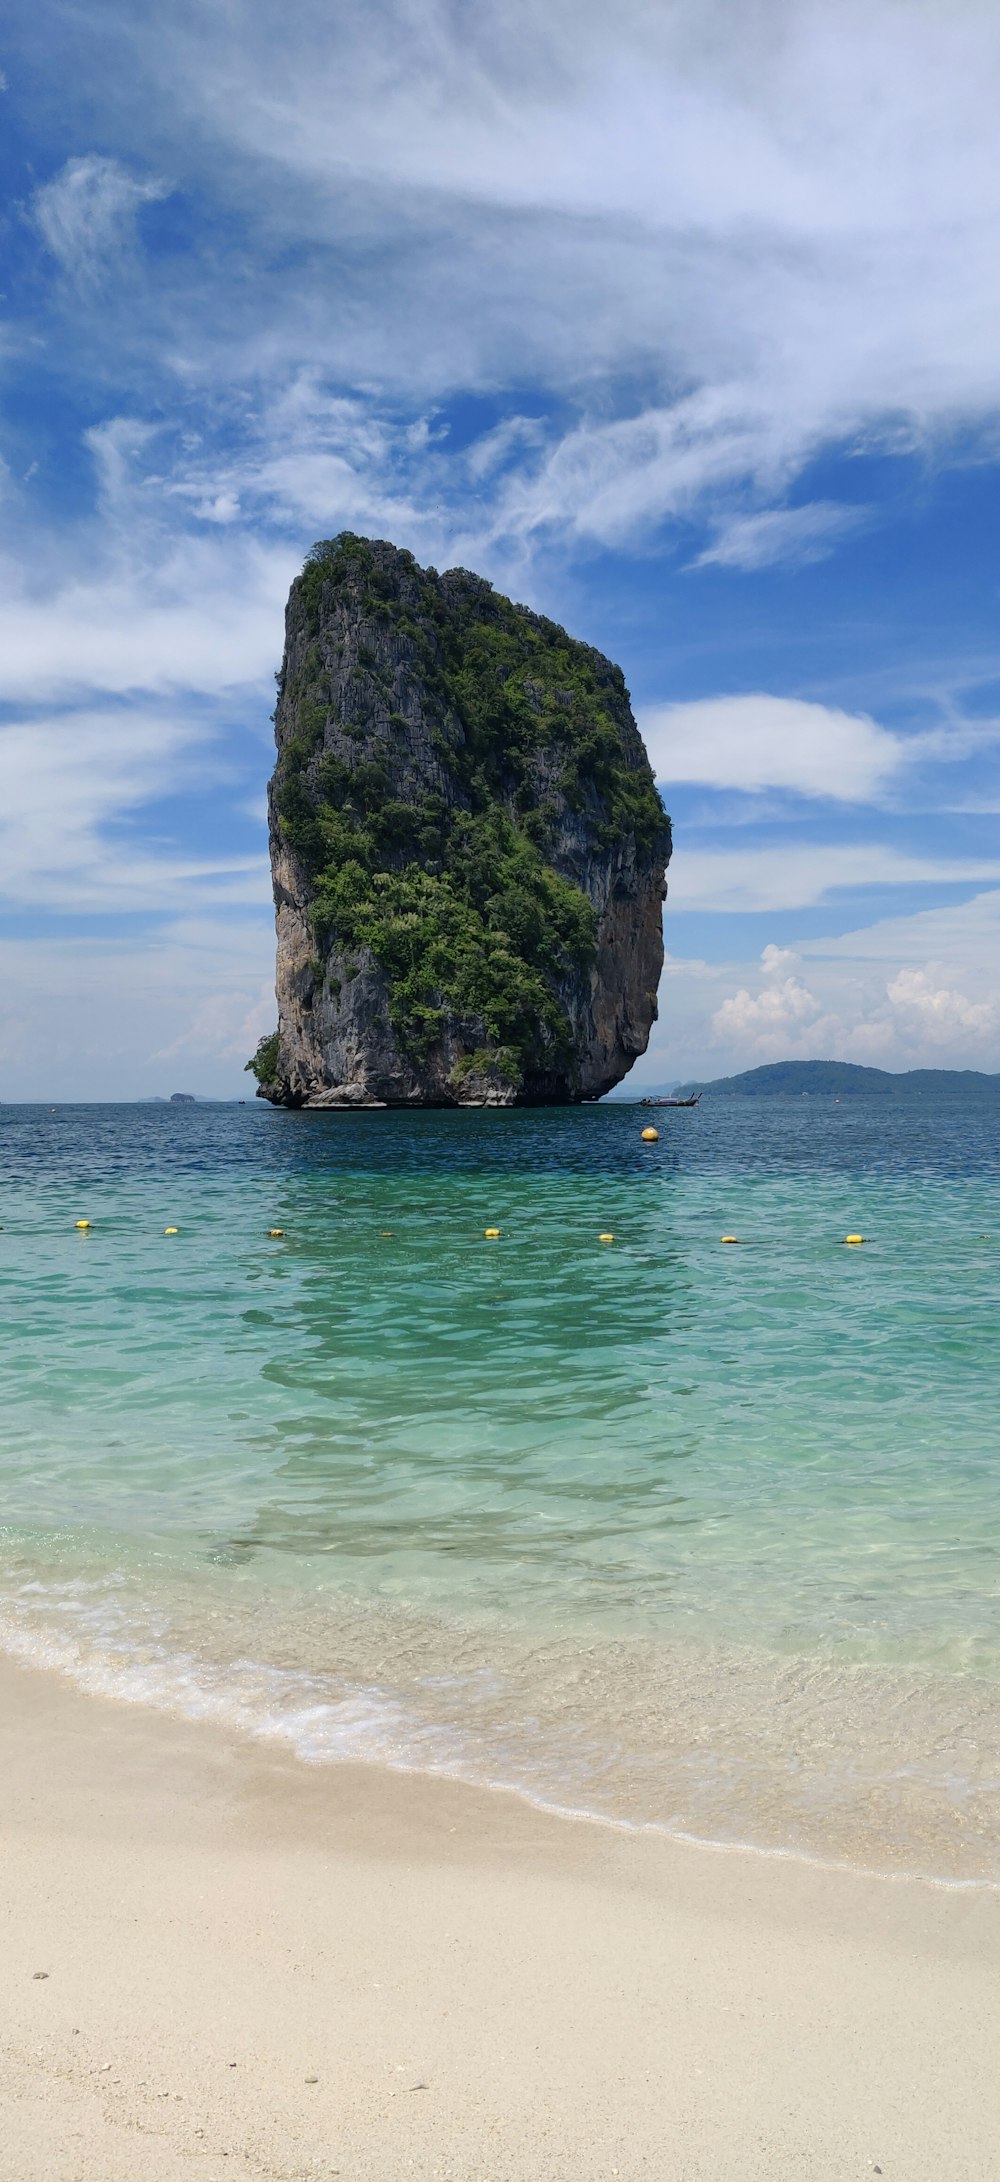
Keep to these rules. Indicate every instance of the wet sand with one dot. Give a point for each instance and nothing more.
(258, 1967)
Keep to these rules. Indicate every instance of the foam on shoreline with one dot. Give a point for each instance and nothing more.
(786, 1756)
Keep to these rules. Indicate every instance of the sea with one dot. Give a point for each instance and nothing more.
(660, 1531)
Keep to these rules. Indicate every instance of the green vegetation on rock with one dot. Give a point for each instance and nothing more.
(451, 883)
(264, 1064)
(477, 937)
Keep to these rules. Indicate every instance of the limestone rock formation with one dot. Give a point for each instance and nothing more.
(467, 846)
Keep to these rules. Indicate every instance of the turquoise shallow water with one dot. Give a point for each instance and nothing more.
(663, 1530)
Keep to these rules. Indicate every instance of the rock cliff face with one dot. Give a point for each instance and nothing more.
(467, 847)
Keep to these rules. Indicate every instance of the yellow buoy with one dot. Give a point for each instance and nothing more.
(605, 1238)
(854, 1238)
(83, 1223)
(729, 1238)
(171, 1231)
(275, 1232)
(650, 1136)
(492, 1234)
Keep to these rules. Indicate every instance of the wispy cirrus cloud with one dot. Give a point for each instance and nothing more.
(796, 873)
(198, 620)
(785, 241)
(122, 1015)
(87, 215)
(787, 233)
(796, 536)
(71, 785)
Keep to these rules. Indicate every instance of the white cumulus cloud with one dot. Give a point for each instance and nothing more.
(876, 995)
(939, 1015)
(767, 1017)
(755, 741)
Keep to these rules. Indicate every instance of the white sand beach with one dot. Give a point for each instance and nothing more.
(256, 1967)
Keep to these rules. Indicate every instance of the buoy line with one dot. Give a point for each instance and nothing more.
(494, 1234)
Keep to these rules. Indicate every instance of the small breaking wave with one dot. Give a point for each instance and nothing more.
(780, 1756)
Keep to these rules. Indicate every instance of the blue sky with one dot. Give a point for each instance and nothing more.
(679, 321)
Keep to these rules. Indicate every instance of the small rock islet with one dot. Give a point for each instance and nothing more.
(468, 848)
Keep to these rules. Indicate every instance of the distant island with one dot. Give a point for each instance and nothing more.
(841, 1079)
(182, 1098)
